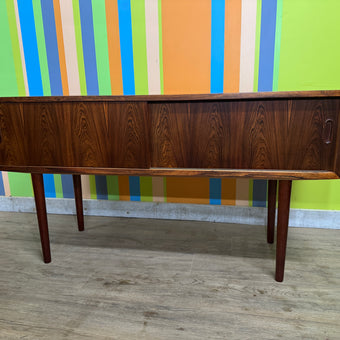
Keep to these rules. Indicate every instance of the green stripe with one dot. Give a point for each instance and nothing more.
(165, 189)
(58, 186)
(16, 48)
(93, 189)
(101, 44)
(277, 45)
(112, 188)
(140, 62)
(160, 44)
(146, 189)
(8, 80)
(257, 45)
(20, 184)
(251, 184)
(79, 45)
(39, 28)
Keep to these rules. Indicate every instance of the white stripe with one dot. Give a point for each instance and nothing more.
(85, 186)
(242, 192)
(158, 189)
(21, 46)
(69, 36)
(248, 35)
(152, 46)
(5, 180)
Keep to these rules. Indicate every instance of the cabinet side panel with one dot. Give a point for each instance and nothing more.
(12, 144)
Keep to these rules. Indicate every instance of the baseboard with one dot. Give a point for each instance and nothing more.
(194, 212)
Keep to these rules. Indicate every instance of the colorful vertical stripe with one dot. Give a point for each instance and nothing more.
(125, 31)
(217, 45)
(102, 47)
(186, 41)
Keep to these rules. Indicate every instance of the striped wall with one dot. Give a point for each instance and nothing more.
(132, 47)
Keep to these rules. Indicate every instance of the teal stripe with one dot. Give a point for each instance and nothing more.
(101, 45)
(277, 45)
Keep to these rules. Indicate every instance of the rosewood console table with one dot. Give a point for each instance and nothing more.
(280, 136)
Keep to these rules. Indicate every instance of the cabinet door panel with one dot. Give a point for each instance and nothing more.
(128, 135)
(12, 146)
(311, 137)
(44, 135)
(267, 134)
(217, 135)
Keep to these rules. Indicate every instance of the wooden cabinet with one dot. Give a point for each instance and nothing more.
(274, 136)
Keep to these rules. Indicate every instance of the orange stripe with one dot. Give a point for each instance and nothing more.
(186, 39)
(187, 190)
(228, 191)
(124, 188)
(114, 47)
(232, 45)
(61, 49)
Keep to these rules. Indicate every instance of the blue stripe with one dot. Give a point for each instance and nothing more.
(101, 187)
(259, 193)
(29, 41)
(217, 45)
(267, 45)
(89, 50)
(215, 190)
(134, 188)
(67, 184)
(125, 33)
(2, 188)
(51, 47)
(49, 185)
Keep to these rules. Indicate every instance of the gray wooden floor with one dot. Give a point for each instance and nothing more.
(153, 279)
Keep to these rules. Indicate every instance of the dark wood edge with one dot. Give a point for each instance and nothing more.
(233, 173)
(180, 97)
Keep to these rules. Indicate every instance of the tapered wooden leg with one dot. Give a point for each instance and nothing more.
(282, 227)
(79, 201)
(271, 210)
(39, 196)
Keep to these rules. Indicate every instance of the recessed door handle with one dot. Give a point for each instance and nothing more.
(327, 134)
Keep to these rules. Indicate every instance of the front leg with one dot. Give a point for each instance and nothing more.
(40, 204)
(285, 187)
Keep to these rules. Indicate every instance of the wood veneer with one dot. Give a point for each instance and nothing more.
(275, 136)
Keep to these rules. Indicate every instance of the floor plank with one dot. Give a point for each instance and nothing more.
(154, 279)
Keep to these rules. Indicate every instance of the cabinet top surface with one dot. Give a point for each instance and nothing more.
(182, 97)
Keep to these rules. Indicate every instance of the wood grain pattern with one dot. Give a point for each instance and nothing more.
(12, 146)
(129, 135)
(223, 173)
(306, 144)
(44, 136)
(176, 98)
(244, 134)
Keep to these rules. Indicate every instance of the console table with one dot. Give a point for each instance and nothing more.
(281, 136)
